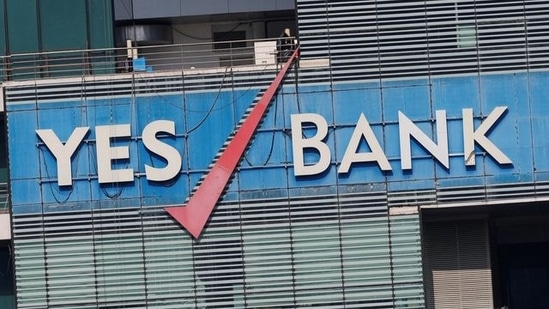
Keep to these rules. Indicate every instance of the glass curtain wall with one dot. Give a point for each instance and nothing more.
(36, 26)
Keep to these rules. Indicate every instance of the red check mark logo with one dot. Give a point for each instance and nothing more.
(194, 216)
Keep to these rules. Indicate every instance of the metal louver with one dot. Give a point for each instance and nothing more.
(138, 84)
(458, 273)
(324, 251)
(368, 40)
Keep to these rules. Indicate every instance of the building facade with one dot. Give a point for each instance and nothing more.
(402, 162)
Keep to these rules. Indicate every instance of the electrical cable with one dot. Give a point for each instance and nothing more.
(272, 141)
(213, 105)
(51, 185)
(220, 107)
(102, 187)
(203, 38)
(208, 112)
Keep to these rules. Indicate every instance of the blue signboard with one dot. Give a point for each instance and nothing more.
(512, 109)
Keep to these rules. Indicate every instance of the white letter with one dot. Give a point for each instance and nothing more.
(106, 153)
(470, 136)
(63, 153)
(408, 129)
(299, 143)
(166, 151)
(363, 129)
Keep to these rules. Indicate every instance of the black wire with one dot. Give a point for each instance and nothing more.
(51, 185)
(211, 109)
(203, 38)
(103, 189)
(213, 105)
(272, 140)
(174, 180)
(220, 107)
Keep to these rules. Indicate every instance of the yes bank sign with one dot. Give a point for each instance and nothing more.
(154, 132)
(407, 131)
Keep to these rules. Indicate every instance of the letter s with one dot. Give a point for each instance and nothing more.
(170, 154)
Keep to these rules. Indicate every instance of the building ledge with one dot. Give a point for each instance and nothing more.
(5, 226)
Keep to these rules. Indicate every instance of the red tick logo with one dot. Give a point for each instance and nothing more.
(194, 216)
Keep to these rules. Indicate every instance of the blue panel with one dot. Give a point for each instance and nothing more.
(455, 94)
(473, 181)
(210, 119)
(455, 136)
(274, 119)
(266, 149)
(79, 191)
(266, 178)
(508, 90)
(367, 101)
(111, 112)
(391, 142)
(25, 191)
(327, 178)
(410, 185)
(22, 209)
(459, 169)
(512, 133)
(422, 168)
(170, 192)
(542, 176)
(112, 195)
(412, 100)
(319, 102)
(538, 94)
(290, 106)
(540, 127)
(359, 172)
(22, 139)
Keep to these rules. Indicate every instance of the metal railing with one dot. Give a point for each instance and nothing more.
(4, 198)
(67, 63)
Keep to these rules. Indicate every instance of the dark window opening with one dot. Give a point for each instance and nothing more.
(229, 40)
(7, 289)
(487, 257)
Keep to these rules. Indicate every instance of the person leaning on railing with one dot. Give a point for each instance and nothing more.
(285, 46)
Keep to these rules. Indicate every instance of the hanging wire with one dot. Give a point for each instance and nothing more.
(102, 187)
(51, 186)
(213, 104)
(204, 38)
(271, 148)
(219, 107)
(120, 189)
